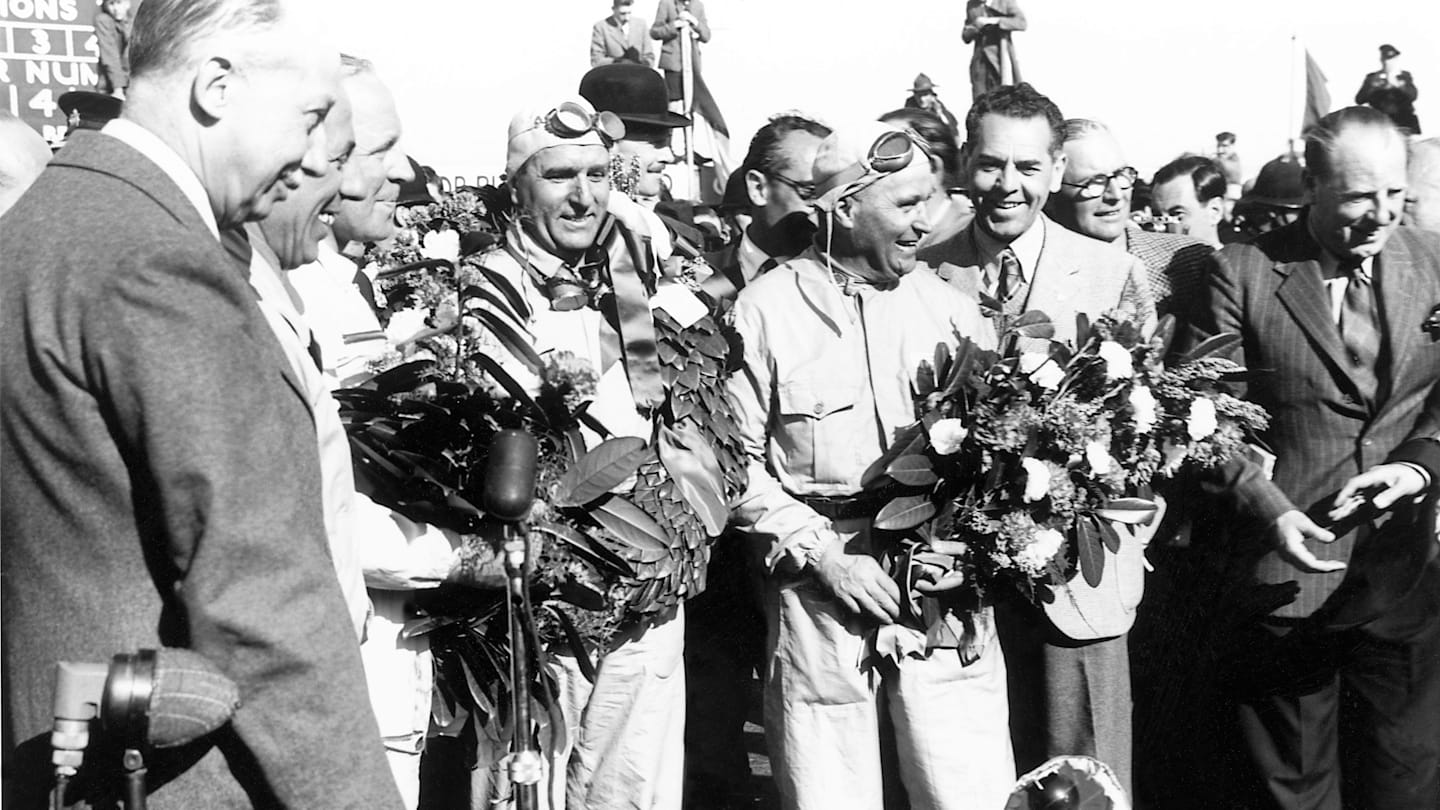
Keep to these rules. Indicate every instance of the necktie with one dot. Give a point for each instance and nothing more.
(1360, 331)
(1010, 287)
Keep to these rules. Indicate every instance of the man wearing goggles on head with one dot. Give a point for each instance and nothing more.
(1094, 200)
(585, 277)
(1077, 700)
(833, 342)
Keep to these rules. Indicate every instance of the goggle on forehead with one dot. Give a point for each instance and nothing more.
(571, 120)
(890, 153)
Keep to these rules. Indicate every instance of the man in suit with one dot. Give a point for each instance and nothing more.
(153, 492)
(1094, 200)
(1334, 306)
(621, 37)
(778, 184)
(1070, 690)
(674, 18)
(1392, 91)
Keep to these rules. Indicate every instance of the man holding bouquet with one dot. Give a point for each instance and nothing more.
(834, 341)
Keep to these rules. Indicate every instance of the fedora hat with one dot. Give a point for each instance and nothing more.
(634, 92)
(922, 84)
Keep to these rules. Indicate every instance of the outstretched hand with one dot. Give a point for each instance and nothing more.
(859, 583)
(1386, 485)
(1289, 533)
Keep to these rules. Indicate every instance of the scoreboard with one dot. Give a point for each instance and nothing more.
(47, 47)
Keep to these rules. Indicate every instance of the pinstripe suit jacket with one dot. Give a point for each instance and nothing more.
(1323, 432)
(153, 494)
(1074, 274)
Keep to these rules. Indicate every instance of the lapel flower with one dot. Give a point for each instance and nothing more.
(1431, 326)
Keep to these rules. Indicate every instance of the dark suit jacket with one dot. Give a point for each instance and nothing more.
(160, 486)
(1272, 294)
(608, 42)
(664, 30)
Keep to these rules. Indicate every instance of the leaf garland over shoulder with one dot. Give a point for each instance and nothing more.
(620, 531)
(1025, 466)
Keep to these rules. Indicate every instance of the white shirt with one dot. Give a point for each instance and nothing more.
(1026, 247)
(752, 258)
(346, 328)
(148, 144)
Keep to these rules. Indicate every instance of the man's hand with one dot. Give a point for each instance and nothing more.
(1388, 483)
(1289, 533)
(689, 19)
(859, 583)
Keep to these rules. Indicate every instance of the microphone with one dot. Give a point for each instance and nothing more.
(161, 698)
(509, 487)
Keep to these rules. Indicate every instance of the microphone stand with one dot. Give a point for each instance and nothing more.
(525, 765)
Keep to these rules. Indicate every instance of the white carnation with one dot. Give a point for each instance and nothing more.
(1118, 363)
(1099, 458)
(1202, 420)
(1143, 401)
(1042, 369)
(1037, 479)
(404, 325)
(1042, 548)
(946, 435)
(443, 244)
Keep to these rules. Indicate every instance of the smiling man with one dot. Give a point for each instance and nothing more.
(833, 342)
(1094, 200)
(1334, 306)
(155, 489)
(1070, 669)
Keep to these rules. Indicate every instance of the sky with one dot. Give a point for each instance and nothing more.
(1164, 75)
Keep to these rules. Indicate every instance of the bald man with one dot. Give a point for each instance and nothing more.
(23, 154)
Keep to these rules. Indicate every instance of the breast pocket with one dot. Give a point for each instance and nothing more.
(818, 420)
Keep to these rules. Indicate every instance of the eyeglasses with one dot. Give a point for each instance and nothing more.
(1124, 179)
(570, 120)
(806, 191)
(890, 153)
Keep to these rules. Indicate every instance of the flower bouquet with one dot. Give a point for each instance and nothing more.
(1026, 467)
(619, 533)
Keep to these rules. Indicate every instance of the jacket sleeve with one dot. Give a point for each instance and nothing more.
(703, 25)
(664, 27)
(225, 452)
(1240, 484)
(399, 554)
(765, 509)
(1012, 17)
(597, 45)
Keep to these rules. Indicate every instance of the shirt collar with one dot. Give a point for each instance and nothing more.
(1026, 247)
(751, 257)
(158, 152)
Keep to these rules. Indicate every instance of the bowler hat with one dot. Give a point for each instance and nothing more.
(634, 92)
(1281, 184)
(1389, 51)
(86, 110)
(923, 85)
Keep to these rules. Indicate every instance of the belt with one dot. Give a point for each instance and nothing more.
(863, 504)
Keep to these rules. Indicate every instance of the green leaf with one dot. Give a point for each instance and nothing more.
(1091, 553)
(514, 389)
(1034, 324)
(697, 475)
(512, 295)
(1219, 344)
(908, 440)
(1130, 511)
(634, 527)
(913, 471)
(943, 359)
(905, 513)
(600, 470)
(401, 378)
(597, 554)
(489, 296)
(1109, 536)
(1164, 333)
(1082, 329)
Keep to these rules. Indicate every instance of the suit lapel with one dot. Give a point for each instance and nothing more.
(1054, 288)
(1403, 303)
(1302, 292)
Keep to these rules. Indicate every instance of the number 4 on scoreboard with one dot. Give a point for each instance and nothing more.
(44, 101)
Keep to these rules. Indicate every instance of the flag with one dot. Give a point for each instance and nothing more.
(712, 140)
(1317, 93)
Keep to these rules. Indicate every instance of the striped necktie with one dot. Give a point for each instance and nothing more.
(1011, 288)
(1360, 331)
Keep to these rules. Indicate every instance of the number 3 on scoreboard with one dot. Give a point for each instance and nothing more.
(42, 41)
(44, 101)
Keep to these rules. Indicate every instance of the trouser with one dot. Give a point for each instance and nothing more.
(1355, 722)
(624, 734)
(822, 713)
(1069, 697)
